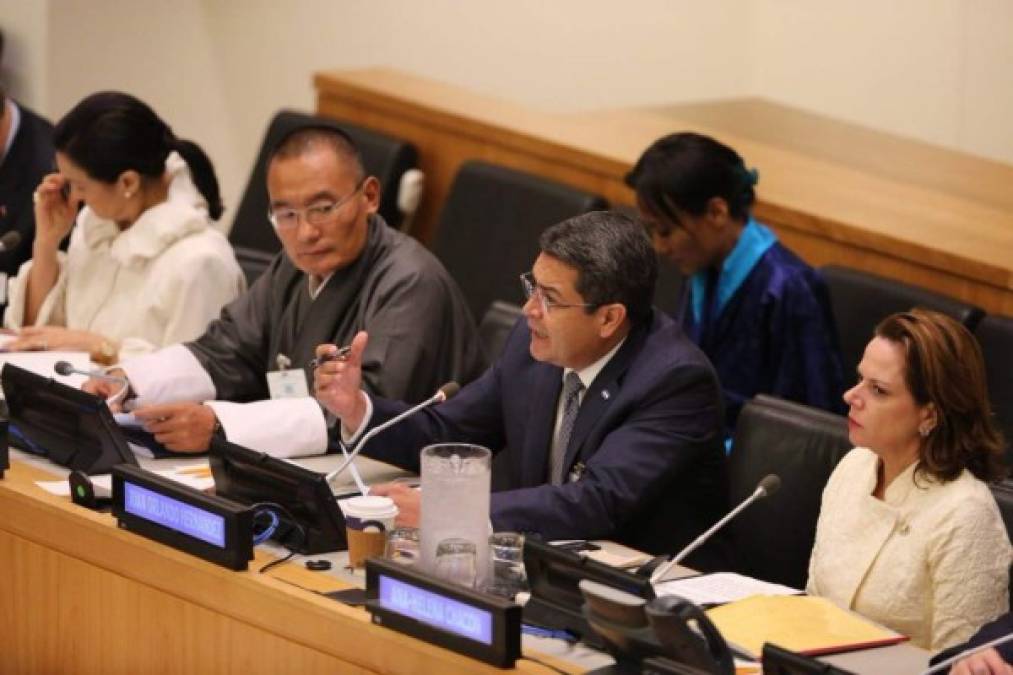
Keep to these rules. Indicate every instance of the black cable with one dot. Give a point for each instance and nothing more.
(300, 530)
(279, 561)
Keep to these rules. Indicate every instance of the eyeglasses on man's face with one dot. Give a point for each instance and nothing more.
(319, 213)
(533, 290)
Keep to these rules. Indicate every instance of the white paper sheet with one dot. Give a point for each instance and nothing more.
(719, 588)
(42, 362)
(197, 476)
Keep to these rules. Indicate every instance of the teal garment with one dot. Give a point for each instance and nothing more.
(765, 322)
(754, 241)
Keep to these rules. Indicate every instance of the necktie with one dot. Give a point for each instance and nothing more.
(572, 386)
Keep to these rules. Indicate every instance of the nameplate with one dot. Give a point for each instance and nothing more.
(209, 527)
(484, 627)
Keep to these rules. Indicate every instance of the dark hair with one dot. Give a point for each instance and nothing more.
(302, 139)
(111, 132)
(944, 367)
(685, 171)
(613, 258)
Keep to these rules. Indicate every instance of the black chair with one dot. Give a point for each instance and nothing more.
(773, 538)
(995, 335)
(385, 157)
(489, 227)
(668, 291)
(861, 300)
(1003, 493)
(495, 327)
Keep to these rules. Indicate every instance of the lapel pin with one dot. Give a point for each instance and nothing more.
(605, 394)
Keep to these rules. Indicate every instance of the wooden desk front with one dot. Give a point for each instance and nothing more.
(834, 192)
(79, 595)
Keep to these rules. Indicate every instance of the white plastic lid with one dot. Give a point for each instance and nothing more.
(369, 507)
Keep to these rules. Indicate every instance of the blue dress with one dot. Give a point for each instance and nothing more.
(764, 320)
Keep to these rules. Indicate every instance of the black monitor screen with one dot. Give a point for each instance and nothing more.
(554, 576)
(70, 427)
(250, 477)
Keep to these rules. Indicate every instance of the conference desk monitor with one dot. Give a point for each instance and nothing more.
(71, 427)
(310, 520)
(556, 602)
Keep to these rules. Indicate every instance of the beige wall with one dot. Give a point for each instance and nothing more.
(935, 70)
(938, 70)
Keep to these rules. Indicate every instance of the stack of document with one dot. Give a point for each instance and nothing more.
(804, 624)
(720, 588)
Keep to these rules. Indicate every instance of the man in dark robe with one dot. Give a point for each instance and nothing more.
(342, 270)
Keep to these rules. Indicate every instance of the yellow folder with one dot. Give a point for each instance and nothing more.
(801, 623)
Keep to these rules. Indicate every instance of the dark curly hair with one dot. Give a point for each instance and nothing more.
(944, 367)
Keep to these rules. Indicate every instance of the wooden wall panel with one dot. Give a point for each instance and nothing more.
(833, 192)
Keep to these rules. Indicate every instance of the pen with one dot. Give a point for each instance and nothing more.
(339, 355)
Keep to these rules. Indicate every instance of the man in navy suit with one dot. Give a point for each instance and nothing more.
(610, 417)
(26, 155)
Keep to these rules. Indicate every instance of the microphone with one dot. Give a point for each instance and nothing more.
(441, 395)
(10, 241)
(766, 487)
(65, 368)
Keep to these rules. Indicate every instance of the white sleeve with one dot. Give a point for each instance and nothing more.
(168, 375)
(283, 427)
(52, 312)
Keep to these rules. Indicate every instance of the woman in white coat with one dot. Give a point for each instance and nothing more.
(909, 534)
(145, 267)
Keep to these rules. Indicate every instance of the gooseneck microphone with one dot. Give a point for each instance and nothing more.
(766, 487)
(444, 393)
(65, 368)
(10, 241)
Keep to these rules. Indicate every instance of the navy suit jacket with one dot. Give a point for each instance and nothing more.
(29, 160)
(646, 442)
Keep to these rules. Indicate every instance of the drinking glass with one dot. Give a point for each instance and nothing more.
(506, 553)
(403, 545)
(456, 561)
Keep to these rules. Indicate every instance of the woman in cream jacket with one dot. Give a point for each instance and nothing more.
(909, 534)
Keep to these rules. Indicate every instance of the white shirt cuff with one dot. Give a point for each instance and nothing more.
(282, 427)
(168, 375)
(349, 439)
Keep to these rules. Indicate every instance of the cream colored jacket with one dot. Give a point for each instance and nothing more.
(930, 560)
(157, 283)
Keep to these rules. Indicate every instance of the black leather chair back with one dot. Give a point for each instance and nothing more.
(995, 335)
(383, 156)
(773, 538)
(861, 300)
(495, 327)
(489, 228)
(668, 291)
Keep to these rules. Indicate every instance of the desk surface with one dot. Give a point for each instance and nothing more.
(834, 192)
(78, 594)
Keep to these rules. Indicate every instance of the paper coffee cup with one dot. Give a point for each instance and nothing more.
(367, 522)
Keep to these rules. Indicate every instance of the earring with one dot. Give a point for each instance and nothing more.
(924, 431)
